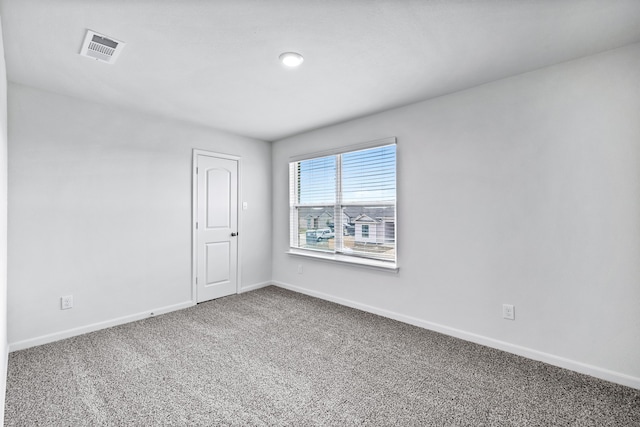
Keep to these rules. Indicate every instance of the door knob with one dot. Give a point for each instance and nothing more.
(234, 234)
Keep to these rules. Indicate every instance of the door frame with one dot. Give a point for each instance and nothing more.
(194, 217)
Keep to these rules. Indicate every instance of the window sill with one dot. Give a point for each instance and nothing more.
(345, 259)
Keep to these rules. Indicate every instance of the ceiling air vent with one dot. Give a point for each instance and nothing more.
(101, 48)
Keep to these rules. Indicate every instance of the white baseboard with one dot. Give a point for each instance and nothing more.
(583, 368)
(44, 339)
(254, 287)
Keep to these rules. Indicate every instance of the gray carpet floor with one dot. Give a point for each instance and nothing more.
(272, 357)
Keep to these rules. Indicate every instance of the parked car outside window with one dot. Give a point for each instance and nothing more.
(319, 235)
(324, 234)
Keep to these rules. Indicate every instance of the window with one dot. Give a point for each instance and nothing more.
(344, 204)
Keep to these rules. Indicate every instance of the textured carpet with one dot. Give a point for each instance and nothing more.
(274, 357)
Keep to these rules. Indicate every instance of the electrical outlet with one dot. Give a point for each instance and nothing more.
(508, 311)
(299, 268)
(66, 302)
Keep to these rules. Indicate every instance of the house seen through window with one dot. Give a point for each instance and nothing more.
(345, 203)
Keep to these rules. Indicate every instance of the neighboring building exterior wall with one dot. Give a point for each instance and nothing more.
(376, 231)
(367, 232)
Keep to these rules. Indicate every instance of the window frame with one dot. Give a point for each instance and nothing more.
(355, 259)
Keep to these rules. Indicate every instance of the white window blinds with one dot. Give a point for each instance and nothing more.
(345, 203)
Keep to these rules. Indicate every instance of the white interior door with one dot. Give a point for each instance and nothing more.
(216, 227)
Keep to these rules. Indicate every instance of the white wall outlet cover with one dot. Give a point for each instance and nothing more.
(245, 206)
(66, 302)
(508, 311)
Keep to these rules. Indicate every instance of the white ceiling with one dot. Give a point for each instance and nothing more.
(216, 62)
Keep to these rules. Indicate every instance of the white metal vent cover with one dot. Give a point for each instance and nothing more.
(101, 47)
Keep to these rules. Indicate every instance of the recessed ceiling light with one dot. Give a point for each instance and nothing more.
(291, 59)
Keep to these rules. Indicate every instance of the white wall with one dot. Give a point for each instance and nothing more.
(100, 207)
(522, 191)
(3, 229)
